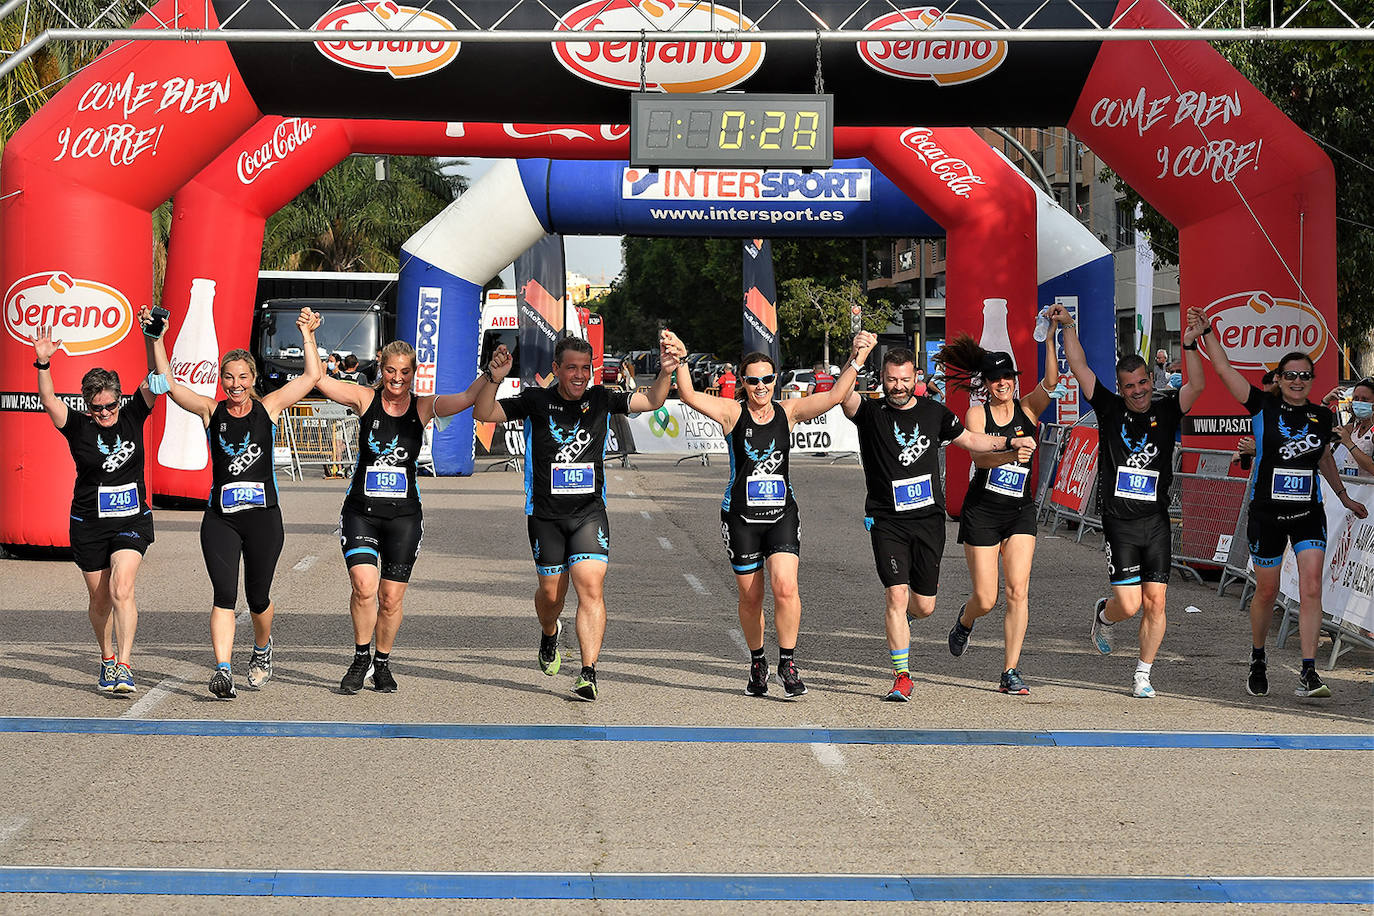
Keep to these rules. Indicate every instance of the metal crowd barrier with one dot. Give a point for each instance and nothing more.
(317, 434)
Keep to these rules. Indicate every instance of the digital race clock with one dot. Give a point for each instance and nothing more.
(744, 130)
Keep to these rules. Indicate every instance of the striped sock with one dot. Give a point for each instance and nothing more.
(899, 661)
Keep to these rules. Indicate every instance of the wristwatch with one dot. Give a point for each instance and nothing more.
(1008, 447)
(487, 372)
(858, 366)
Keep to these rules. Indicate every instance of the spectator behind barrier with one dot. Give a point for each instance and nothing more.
(1354, 446)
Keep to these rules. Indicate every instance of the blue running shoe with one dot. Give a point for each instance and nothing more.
(124, 679)
(109, 673)
(1101, 632)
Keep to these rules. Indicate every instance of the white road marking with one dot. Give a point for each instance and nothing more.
(305, 563)
(154, 695)
(738, 636)
(828, 756)
(696, 585)
(665, 543)
(645, 513)
(618, 477)
(629, 492)
(10, 826)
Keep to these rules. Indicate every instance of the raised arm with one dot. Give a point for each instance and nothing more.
(149, 395)
(1195, 377)
(1230, 377)
(668, 358)
(1073, 350)
(799, 410)
(276, 401)
(485, 407)
(1034, 403)
(44, 348)
(724, 411)
(1327, 466)
(446, 405)
(182, 396)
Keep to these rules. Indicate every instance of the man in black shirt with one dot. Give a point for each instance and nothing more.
(1137, 430)
(899, 441)
(565, 486)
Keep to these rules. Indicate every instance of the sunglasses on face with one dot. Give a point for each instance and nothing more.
(1295, 376)
(103, 408)
(760, 379)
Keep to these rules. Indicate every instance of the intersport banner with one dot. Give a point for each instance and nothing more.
(540, 281)
(760, 301)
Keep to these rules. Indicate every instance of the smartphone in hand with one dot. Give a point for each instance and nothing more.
(158, 323)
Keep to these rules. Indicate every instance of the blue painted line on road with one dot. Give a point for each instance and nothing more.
(685, 734)
(593, 886)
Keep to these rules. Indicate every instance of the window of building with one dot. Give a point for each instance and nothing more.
(906, 260)
(1125, 225)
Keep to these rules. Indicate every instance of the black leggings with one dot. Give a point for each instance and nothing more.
(257, 536)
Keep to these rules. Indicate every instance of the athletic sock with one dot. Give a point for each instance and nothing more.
(1257, 655)
(223, 666)
(258, 648)
(899, 660)
(104, 659)
(757, 655)
(1102, 618)
(785, 655)
(363, 649)
(1142, 668)
(381, 658)
(1309, 664)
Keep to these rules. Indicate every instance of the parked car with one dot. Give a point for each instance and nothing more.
(610, 369)
(699, 364)
(795, 383)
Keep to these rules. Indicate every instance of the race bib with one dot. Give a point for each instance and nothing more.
(1350, 472)
(1137, 483)
(1292, 485)
(765, 490)
(912, 493)
(573, 479)
(247, 494)
(385, 482)
(117, 502)
(1008, 480)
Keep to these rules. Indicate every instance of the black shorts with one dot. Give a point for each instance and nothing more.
(749, 544)
(256, 537)
(982, 525)
(95, 539)
(1269, 534)
(1138, 550)
(391, 544)
(558, 543)
(907, 551)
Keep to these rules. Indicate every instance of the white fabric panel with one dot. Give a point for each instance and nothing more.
(1063, 243)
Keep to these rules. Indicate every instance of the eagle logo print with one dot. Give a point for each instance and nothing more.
(1142, 452)
(913, 446)
(242, 456)
(116, 454)
(389, 456)
(1296, 441)
(766, 460)
(573, 441)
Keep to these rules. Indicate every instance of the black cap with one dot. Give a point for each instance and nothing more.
(997, 365)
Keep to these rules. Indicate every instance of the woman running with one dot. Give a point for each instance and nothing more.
(998, 517)
(759, 520)
(111, 522)
(381, 523)
(242, 521)
(1292, 441)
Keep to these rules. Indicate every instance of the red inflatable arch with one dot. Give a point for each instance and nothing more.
(1254, 198)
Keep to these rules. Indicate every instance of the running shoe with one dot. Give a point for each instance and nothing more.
(222, 684)
(901, 688)
(585, 685)
(108, 675)
(550, 660)
(1310, 685)
(1257, 685)
(791, 680)
(758, 678)
(124, 680)
(260, 666)
(1011, 683)
(1140, 687)
(1101, 632)
(358, 672)
(958, 635)
(382, 681)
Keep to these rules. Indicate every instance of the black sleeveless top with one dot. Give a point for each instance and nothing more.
(383, 482)
(243, 475)
(1007, 486)
(759, 490)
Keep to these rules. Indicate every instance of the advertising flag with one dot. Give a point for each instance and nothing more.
(760, 300)
(540, 294)
(1144, 291)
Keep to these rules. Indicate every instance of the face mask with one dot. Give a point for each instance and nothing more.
(1362, 409)
(1176, 380)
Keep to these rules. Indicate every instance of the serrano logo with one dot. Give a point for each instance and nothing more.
(945, 61)
(85, 316)
(729, 184)
(289, 134)
(956, 173)
(400, 58)
(672, 66)
(1257, 329)
(427, 340)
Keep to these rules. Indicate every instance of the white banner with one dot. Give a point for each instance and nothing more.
(676, 428)
(1348, 574)
(1144, 291)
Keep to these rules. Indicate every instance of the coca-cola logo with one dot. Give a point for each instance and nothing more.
(950, 170)
(289, 134)
(672, 66)
(85, 316)
(1258, 329)
(401, 58)
(944, 61)
(196, 372)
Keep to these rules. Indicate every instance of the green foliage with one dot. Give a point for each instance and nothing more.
(1325, 88)
(809, 310)
(347, 220)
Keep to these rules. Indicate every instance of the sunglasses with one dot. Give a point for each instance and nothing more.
(103, 408)
(760, 379)
(1295, 376)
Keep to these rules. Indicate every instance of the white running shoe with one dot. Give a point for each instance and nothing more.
(1141, 686)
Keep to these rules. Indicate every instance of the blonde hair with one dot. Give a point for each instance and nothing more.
(395, 348)
(237, 355)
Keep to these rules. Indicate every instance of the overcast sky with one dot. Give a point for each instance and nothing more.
(595, 257)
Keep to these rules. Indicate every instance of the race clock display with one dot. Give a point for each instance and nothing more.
(741, 130)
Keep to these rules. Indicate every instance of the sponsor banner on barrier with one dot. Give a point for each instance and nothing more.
(676, 428)
(1348, 572)
(1076, 466)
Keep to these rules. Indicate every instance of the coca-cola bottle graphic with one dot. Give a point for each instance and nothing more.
(995, 335)
(195, 364)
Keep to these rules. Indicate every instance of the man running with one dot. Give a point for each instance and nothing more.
(565, 486)
(1136, 432)
(899, 441)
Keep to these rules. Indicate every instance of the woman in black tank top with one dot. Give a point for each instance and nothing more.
(998, 516)
(242, 521)
(381, 522)
(759, 513)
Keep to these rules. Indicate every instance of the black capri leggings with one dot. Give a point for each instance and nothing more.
(257, 536)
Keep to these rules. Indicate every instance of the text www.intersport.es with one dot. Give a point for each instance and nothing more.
(741, 214)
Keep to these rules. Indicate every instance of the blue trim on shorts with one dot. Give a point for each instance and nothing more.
(1266, 562)
(549, 570)
(1134, 580)
(741, 570)
(349, 553)
(579, 557)
(1300, 546)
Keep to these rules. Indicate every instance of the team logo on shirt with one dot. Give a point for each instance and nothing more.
(601, 539)
(766, 460)
(118, 453)
(1297, 441)
(243, 456)
(913, 446)
(390, 456)
(1142, 452)
(1111, 567)
(574, 441)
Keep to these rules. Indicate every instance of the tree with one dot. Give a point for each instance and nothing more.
(807, 307)
(1324, 88)
(349, 221)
